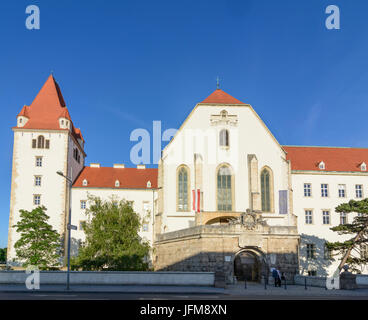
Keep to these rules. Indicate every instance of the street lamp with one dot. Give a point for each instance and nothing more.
(60, 173)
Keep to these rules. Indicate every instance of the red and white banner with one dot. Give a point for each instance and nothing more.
(196, 196)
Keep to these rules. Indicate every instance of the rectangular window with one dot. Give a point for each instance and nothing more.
(358, 191)
(47, 146)
(311, 251)
(81, 225)
(38, 161)
(145, 227)
(326, 216)
(34, 143)
(312, 273)
(327, 253)
(36, 199)
(343, 218)
(83, 204)
(324, 190)
(37, 181)
(363, 251)
(308, 217)
(307, 190)
(342, 191)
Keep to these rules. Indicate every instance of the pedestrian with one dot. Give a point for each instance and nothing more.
(278, 278)
(274, 275)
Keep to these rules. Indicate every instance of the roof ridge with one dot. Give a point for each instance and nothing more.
(294, 146)
(219, 96)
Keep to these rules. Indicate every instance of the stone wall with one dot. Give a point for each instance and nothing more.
(211, 248)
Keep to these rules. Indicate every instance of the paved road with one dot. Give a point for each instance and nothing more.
(149, 296)
(254, 291)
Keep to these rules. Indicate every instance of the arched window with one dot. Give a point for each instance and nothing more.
(224, 189)
(266, 190)
(183, 189)
(224, 138)
(40, 142)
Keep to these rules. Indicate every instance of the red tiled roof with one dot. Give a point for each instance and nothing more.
(335, 159)
(47, 108)
(24, 112)
(221, 97)
(105, 177)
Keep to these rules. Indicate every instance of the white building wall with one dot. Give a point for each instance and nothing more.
(138, 196)
(52, 189)
(248, 136)
(317, 233)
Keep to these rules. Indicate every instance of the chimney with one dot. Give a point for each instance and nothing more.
(141, 166)
(119, 165)
(94, 165)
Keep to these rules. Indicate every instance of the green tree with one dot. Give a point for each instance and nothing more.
(3, 255)
(358, 230)
(39, 244)
(112, 240)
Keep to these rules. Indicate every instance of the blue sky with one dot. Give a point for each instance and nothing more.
(123, 64)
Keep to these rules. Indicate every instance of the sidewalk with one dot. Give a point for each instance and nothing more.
(115, 289)
(252, 290)
(257, 289)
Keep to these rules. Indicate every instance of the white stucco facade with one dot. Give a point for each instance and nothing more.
(221, 134)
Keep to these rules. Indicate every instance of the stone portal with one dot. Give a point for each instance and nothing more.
(236, 250)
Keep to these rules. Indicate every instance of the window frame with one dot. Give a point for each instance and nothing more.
(306, 189)
(218, 189)
(271, 190)
(328, 215)
(186, 202)
(326, 189)
(37, 162)
(359, 190)
(311, 216)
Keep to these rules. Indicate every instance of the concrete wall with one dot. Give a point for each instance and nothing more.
(361, 280)
(114, 278)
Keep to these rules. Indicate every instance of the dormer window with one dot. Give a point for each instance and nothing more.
(62, 122)
(117, 183)
(149, 184)
(363, 167)
(85, 182)
(321, 165)
(20, 120)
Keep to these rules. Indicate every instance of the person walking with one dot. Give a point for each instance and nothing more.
(274, 276)
(278, 278)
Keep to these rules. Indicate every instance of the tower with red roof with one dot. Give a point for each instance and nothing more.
(45, 141)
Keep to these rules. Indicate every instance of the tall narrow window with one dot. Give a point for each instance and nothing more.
(358, 191)
(266, 190)
(224, 138)
(36, 199)
(307, 190)
(327, 253)
(311, 251)
(324, 190)
(34, 143)
(308, 217)
(224, 191)
(38, 161)
(343, 218)
(40, 142)
(37, 181)
(326, 216)
(183, 189)
(342, 191)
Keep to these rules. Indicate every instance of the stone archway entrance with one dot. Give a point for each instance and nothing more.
(247, 266)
